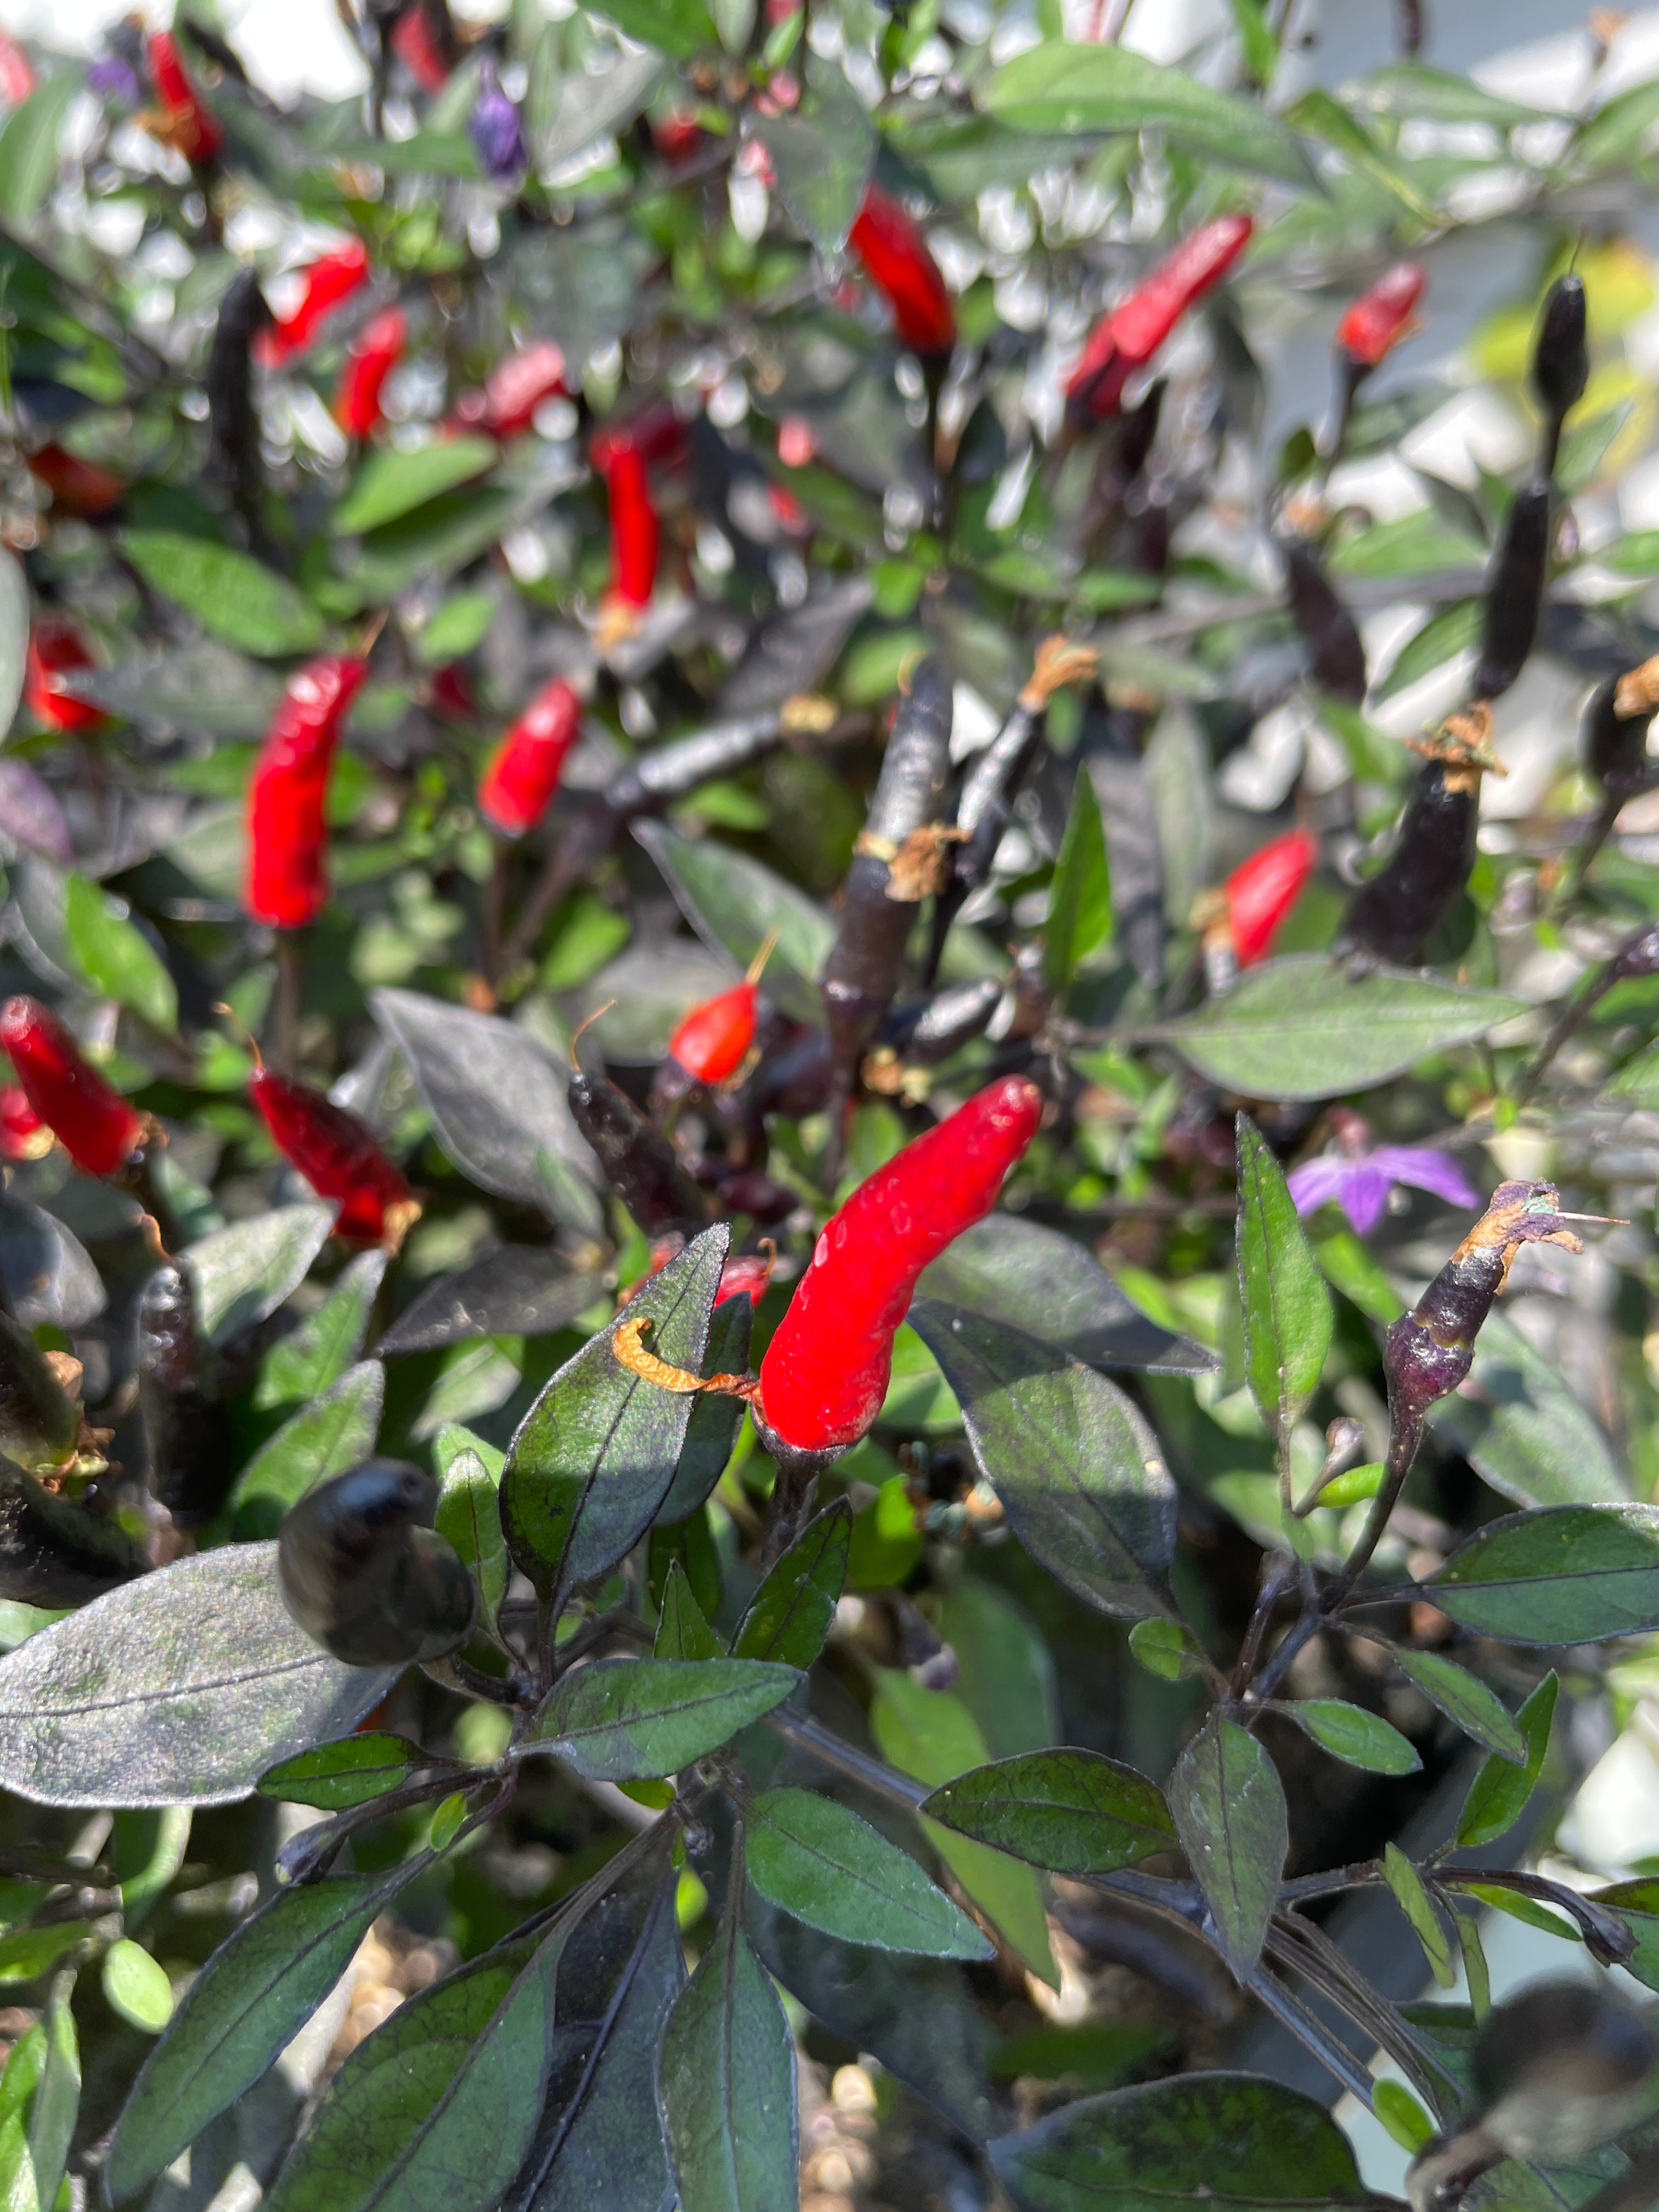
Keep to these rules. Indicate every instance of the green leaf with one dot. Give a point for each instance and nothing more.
(1075, 1812)
(435, 2110)
(469, 1517)
(1452, 629)
(822, 160)
(248, 2003)
(56, 2095)
(1322, 117)
(28, 169)
(391, 483)
(814, 1859)
(1414, 1901)
(1229, 1809)
(1351, 1733)
(1412, 87)
(352, 1772)
(679, 28)
(712, 1431)
(726, 2084)
(231, 595)
(1637, 1904)
(734, 904)
(1166, 1649)
(593, 1459)
(241, 1274)
(322, 1439)
(1464, 1700)
(179, 1689)
(1476, 1973)
(1297, 1028)
(317, 1354)
(1077, 88)
(1080, 1473)
(137, 1987)
(1572, 1574)
(118, 958)
(26, 1953)
(1287, 1308)
(625, 1720)
(1255, 36)
(1585, 448)
(931, 1736)
(682, 1632)
(1420, 543)
(1620, 130)
(789, 1616)
(1005, 1675)
(1197, 2139)
(1080, 896)
(1498, 1793)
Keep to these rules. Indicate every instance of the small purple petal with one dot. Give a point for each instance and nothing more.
(1316, 1180)
(111, 79)
(497, 137)
(1365, 1195)
(1424, 1169)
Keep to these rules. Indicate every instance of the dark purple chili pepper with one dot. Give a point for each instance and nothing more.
(1514, 595)
(188, 1457)
(54, 1551)
(233, 426)
(1391, 917)
(1615, 731)
(640, 1164)
(1335, 653)
(1560, 362)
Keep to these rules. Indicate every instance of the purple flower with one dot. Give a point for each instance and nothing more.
(111, 79)
(1360, 1182)
(496, 138)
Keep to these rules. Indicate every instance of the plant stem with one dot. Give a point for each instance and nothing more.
(291, 987)
(1310, 2032)
(495, 903)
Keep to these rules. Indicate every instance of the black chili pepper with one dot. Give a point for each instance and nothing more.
(640, 1164)
(1514, 594)
(365, 1574)
(1615, 731)
(927, 1030)
(1336, 655)
(1391, 917)
(233, 424)
(1560, 362)
(186, 1429)
(899, 858)
(54, 1551)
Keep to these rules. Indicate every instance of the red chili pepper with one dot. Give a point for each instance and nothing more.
(1262, 890)
(287, 837)
(746, 1275)
(512, 393)
(187, 123)
(338, 1158)
(78, 487)
(712, 1041)
(676, 136)
(522, 773)
(417, 47)
(452, 692)
(826, 1370)
(1380, 317)
(899, 264)
(376, 352)
(656, 433)
(634, 529)
(23, 1135)
(1125, 339)
(329, 282)
(56, 651)
(95, 1126)
(17, 78)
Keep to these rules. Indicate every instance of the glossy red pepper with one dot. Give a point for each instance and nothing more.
(374, 353)
(1262, 890)
(826, 1369)
(522, 773)
(676, 136)
(512, 393)
(1380, 317)
(329, 282)
(634, 533)
(188, 123)
(95, 1126)
(287, 836)
(417, 46)
(898, 262)
(56, 651)
(713, 1041)
(746, 1275)
(17, 78)
(656, 433)
(338, 1158)
(452, 692)
(23, 1135)
(1125, 339)
(77, 487)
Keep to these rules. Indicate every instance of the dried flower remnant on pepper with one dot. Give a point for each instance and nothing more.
(287, 831)
(95, 1126)
(1391, 917)
(897, 261)
(370, 359)
(56, 650)
(1126, 338)
(522, 773)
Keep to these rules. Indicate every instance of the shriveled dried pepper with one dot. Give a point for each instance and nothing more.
(640, 1164)
(1126, 338)
(287, 832)
(1391, 917)
(897, 260)
(1560, 362)
(185, 121)
(826, 1370)
(188, 1451)
(329, 282)
(56, 650)
(373, 355)
(522, 773)
(1514, 595)
(338, 1157)
(366, 1575)
(92, 1122)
